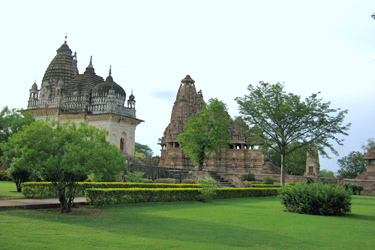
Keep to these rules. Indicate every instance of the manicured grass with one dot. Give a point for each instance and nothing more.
(8, 190)
(247, 223)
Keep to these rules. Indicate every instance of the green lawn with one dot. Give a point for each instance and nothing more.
(248, 223)
(8, 190)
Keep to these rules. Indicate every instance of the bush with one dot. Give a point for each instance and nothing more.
(19, 175)
(166, 180)
(208, 189)
(4, 176)
(134, 177)
(46, 189)
(315, 199)
(248, 177)
(146, 181)
(268, 180)
(264, 186)
(188, 181)
(353, 188)
(100, 196)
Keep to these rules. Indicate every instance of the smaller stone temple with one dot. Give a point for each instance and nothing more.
(312, 164)
(241, 157)
(370, 160)
(65, 94)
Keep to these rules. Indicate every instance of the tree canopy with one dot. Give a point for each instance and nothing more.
(145, 150)
(12, 121)
(206, 132)
(64, 153)
(352, 165)
(284, 119)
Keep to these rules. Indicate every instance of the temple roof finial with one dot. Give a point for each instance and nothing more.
(66, 37)
(110, 70)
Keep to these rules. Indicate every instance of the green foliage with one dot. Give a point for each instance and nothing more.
(208, 189)
(268, 180)
(19, 175)
(283, 119)
(327, 173)
(4, 176)
(143, 150)
(353, 188)
(97, 196)
(134, 177)
(248, 177)
(46, 189)
(144, 180)
(315, 199)
(166, 180)
(370, 143)
(64, 153)
(264, 186)
(206, 133)
(352, 165)
(188, 181)
(295, 162)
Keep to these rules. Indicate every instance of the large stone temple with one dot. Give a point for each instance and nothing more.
(242, 155)
(65, 94)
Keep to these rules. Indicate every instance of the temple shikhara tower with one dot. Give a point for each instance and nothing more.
(67, 95)
(241, 157)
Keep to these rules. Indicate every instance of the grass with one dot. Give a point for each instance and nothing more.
(8, 190)
(248, 223)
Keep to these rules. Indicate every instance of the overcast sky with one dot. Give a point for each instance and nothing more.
(311, 46)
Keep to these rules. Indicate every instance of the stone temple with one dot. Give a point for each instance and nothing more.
(67, 95)
(241, 157)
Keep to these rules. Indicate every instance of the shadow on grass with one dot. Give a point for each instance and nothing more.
(216, 225)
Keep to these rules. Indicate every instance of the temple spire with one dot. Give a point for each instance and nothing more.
(110, 70)
(66, 37)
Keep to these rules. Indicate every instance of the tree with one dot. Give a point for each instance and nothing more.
(12, 121)
(295, 161)
(143, 149)
(64, 153)
(284, 119)
(352, 165)
(206, 133)
(370, 143)
(327, 173)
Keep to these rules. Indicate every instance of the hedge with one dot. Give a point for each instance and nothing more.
(103, 196)
(46, 189)
(265, 186)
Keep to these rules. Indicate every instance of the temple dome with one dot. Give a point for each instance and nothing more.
(104, 88)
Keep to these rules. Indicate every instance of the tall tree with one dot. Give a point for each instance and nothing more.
(352, 165)
(206, 133)
(284, 119)
(295, 162)
(64, 153)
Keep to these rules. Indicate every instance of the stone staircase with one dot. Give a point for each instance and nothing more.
(222, 182)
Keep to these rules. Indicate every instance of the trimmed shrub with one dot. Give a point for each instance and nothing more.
(134, 176)
(144, 180)
(166, 180)
(208, 189)
(46, 189)
(268, 180)
(100, 196)
(264, 186)
(188, 181)
(315, 199)
(353, 188)
(248, 177)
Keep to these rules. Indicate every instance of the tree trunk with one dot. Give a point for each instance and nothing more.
(19, 186)
(62, 199)
(282, 175)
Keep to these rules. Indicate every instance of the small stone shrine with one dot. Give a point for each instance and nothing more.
(67, 95)
(370, 160)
